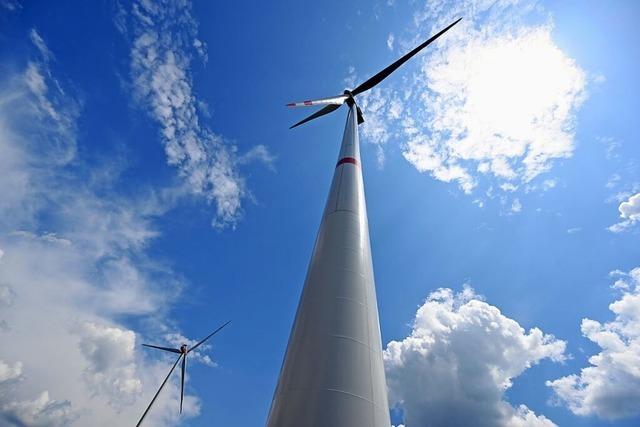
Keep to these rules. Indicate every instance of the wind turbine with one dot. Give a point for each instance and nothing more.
(183, 351)
(333, 373)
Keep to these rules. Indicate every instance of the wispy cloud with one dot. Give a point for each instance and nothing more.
(259, 153)
(64, 291)
(459, 360)
(610, 386)
(10, 5)
(613, 181)
(164, 41)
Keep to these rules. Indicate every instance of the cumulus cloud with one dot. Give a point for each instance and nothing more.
(460, 358)
(8, 372)
(111, 369)
(164, 40)
(610, 386)
(493, 100)
(629, 212)
(40, 412)
(63, 292)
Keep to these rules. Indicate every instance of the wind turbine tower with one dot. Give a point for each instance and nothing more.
(333, 374)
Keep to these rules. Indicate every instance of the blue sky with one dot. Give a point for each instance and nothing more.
(151, 190)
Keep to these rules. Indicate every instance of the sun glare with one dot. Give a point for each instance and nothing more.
(505, 103)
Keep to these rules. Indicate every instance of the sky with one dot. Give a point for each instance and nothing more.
(150, 190)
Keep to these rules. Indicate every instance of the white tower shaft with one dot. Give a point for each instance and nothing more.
(333, 374)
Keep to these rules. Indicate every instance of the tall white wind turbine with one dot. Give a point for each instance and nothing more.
(333, 375)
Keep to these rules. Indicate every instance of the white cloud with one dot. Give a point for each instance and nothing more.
(11, 5)
(261, 154)
(379, 108)
(40, 412)
(612, 147)
(613, 181)
(516, 206)
(629, 212)
(545, 185)
(7, 295)
(494, 99)
(631, 208)
(111, 368)
(460, 358)
(8, 372)
(64, 291)
(599, 78)
(390, 41)
(161, 54)
(610, 386)
(39, 43)
(201, 48)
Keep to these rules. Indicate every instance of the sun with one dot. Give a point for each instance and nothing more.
(500, 104)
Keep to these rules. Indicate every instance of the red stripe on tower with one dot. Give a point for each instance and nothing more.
(344, 160)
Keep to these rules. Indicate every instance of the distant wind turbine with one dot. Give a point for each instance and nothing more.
(183, 351)
(333, 374)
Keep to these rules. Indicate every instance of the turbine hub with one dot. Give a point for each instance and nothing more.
(183, 348)
(350, 100)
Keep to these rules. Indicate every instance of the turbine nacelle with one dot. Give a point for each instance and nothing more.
(348, 96)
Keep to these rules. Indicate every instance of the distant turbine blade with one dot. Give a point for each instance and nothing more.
(368, 84)
(326, 110)
(337, 100)
(207, 337)
(172, 350)
(184, 368)
(158, 392)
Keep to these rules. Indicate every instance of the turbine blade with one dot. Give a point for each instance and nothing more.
(184, 368)
(207, 337)
(172, 350)
(360, 116)
(326, 110)
(337, 100)
(158, 392)
(368, 84)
